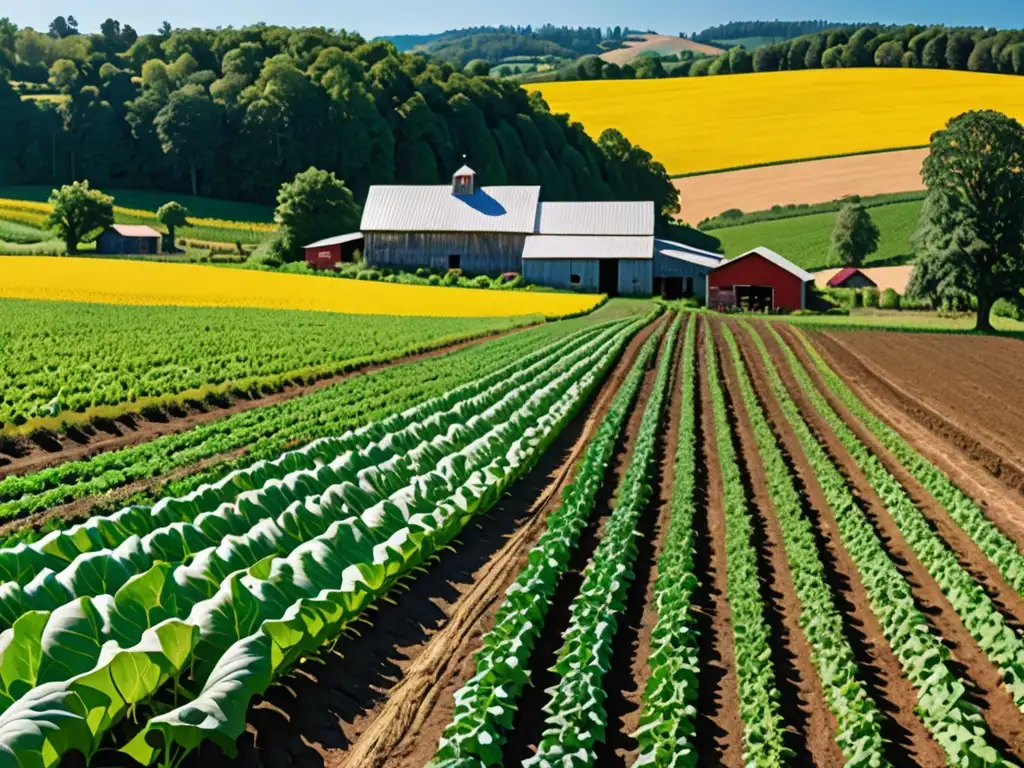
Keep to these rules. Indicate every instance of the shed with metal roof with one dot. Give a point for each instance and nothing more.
(757, 281)
(134, 239)
(326, 253)
(680, 270)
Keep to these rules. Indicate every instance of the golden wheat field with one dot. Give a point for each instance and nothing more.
(711, 123)
(110, 281)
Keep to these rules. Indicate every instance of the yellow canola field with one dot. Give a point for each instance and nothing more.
(712, 123)
(24, 210)
(112, 281)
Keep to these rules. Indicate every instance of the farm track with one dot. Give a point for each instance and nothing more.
(720, 729)
(803, 703)
(629, 672)
(969, 662)
(131, 428)
(529, 722)
(931, 407)
(909, 742)
(382, 698)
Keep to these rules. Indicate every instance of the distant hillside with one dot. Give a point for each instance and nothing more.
(496, 44)
(659, 45)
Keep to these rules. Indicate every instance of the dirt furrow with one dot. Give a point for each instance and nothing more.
(720, 730)
(529, 720)
(970, 663)
(958, 451)
(629, 670)
(908, 740)
(812, 724)
(385, 690)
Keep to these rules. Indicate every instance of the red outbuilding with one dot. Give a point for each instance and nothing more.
(324, 254)
(757, 281)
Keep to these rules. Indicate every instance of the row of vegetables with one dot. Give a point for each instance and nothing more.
(228, 620)
(264, 433)
(969, 600)
(858, 720)
(576, 715)
(764, 727)
(485, 707)
(943, 705)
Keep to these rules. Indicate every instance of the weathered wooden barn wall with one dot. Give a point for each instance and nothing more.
(557, 273)
(480, 253)
(636, 277)
(665, 266)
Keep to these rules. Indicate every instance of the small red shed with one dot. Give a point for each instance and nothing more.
(758, 280)
(851, 277)
(324, 254)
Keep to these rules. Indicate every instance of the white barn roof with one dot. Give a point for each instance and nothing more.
(435, 209)
(135, 230)
(636, 219)
(777, 260)
(351, 237)
(588, 247)
(673, 250)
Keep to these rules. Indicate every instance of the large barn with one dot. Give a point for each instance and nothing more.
(606, 247)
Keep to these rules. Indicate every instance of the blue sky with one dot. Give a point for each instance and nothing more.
(406, 16)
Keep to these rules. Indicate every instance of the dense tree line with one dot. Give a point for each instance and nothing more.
(736, 30)
(234, 113)
(974, 50)
(936, 47)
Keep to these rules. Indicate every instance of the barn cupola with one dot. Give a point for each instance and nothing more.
(464, 182)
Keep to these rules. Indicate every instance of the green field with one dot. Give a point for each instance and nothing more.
(804, 240)
(68, 361)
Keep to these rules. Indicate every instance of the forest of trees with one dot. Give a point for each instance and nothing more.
(936, 47)
(234, 113)
(736, 30)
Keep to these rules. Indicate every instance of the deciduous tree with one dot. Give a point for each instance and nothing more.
(971, 235)
(854, 235)
(315, 205)
(172, 215)
(79, 211)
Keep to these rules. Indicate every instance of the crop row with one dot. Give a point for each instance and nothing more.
(175, 528)
(97, 360)
(265, 432)
(758, 694)
(996, 546)
(858, 734)
(971, 603)
(942, 698)
(576, 716)
(349, 543)
(485, 706)
(668, 716)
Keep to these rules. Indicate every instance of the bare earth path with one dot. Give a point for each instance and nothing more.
(812, 181)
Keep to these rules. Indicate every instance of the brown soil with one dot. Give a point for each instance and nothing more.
(629, 672)
(908, 740)
(964, 389)
(529, 721)
(720, 738)
(969, 662)
(804, 708)
(811, 181)
(382, 697)
(46, 449)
